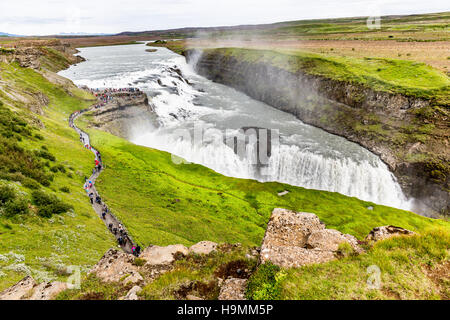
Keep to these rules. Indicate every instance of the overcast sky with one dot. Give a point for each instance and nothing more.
(40, 17)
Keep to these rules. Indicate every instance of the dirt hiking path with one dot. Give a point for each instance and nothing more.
(111, 222)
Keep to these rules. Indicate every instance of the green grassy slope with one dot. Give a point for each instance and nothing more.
(30, 242)
(163, 203)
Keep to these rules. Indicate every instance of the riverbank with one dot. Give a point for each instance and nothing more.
(162, 203)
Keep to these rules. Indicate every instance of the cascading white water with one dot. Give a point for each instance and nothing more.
(306, 156)
(361, 179)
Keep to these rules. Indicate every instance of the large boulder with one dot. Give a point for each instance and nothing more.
(233, 289)
(289, 228)
(385, 232)
(156, 255)
(203, 247)
(294, 239)
(117, 266)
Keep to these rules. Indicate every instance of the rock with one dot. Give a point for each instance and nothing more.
(294, 239)
(117, 266)
(132, 294)
(28, 289)
(330, 239)
(233, 289)
(48, 290)
(20, 290)
(192, 297)
(285, 192)
(385, 232)
(134, 277)
(203, 247)
(156, 255)
(294, 257)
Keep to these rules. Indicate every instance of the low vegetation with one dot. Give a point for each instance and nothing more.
(43, 230)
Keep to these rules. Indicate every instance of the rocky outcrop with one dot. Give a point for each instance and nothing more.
(19, 290)
(28, 289)
(294, 239)
(127, 114)
(48, 290)
(233, 289)
(203, 247)
(349, 110)
(386, 232)
(117, 266)
(53, 55)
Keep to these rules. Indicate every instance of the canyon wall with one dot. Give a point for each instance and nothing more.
(374, 119)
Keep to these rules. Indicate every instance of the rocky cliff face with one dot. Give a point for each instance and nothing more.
(379, 121)
(53, 55)
(125, 115)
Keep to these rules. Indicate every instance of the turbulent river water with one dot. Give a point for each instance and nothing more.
(300, 154)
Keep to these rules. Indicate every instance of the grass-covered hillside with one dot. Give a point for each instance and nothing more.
(417, 27)
(46, 223)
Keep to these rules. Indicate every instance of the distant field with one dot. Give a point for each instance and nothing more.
(419, 27)
(424, 38)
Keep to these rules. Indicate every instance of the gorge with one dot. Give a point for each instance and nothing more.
(306, 156)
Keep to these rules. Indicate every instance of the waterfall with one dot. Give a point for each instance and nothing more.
(306, 156)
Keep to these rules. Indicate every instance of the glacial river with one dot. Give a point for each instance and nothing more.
(300, 154)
